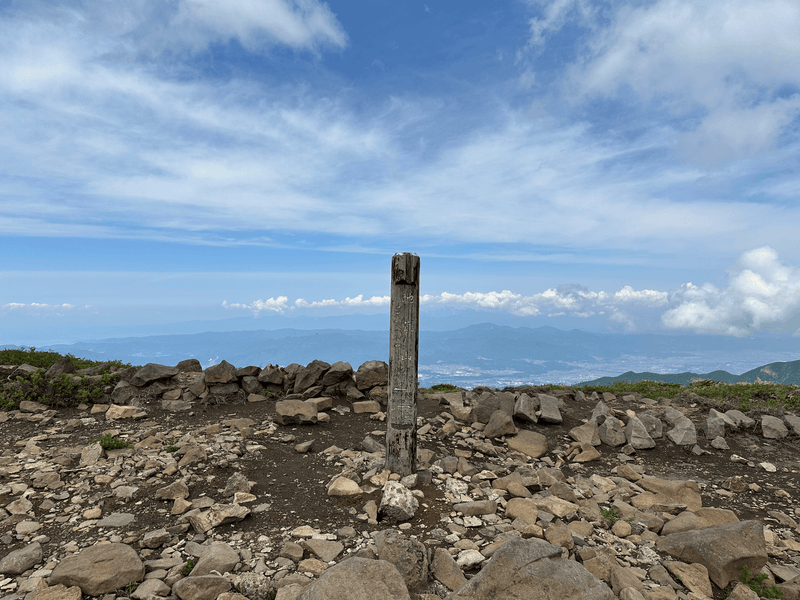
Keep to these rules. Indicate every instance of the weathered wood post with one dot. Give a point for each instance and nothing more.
(401, 430)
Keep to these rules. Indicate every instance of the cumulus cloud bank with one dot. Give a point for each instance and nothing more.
(762, 293)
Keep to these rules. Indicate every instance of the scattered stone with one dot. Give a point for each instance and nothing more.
(99, 569)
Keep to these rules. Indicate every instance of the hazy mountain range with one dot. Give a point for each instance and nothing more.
(482, 354)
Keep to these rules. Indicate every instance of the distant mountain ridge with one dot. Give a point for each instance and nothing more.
(779, 372)
(480, 354)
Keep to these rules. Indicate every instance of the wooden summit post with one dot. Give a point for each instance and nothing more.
(401, 429)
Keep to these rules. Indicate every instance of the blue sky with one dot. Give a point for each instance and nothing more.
(624, 166)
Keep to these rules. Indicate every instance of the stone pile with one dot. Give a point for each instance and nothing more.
(501, 506)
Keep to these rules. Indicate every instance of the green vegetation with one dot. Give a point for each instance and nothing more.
(271, 594)
(188, 568)
(612, 515)
(756, 583)
(131, 587)
(64, 390)
(744, 396)
(46, 359)
(110, 442)
(440, 388)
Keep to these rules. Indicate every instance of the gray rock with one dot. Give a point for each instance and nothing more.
(398, 504)
(219, 557)
(58, 592)
(150, 588)
(525, 408)
(152, 372)
(310, 375)
(371, 374)
(218, 514)
(637, 436)
(99, 569)
(409, 557)
(155, 539)
(773, 428)
(586, 434)
(739, 418)
(205, 587)
(236, 483)
(654, 426)
(722, 549)
(116, 520)
(445, 569)
(715, 424)
(612, 432)
(123, 393)
(683, 433)
(500, 424)
(338, 372)
(358, 579)
(272, 375)
(291, 412)
(223, 372)
(489, 402)
(793, 422)
(532, 569)
(173, 491)
(62, 365)
(600, 410)
(549, 409)
(325, 550)
(529, 442)
(190, 365)
(479, 507)
(19, 561)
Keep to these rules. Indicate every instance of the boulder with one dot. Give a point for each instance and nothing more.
(673, 491)
(152, 372)
(62, 365)
(190, 365)
(548, 406)
(773, 428)
(722, 549)
(532, 569)
(612, 432)
(586, 434)
(338, 372)
(358, 579)
(310, 375)
(490, 402)
(372, 373)
(739, 418)
(525, 408)
(99, 569)
(445, 570)
(223, 372)
(683, 433)
(204, 587)
(272, 375)
(793, 422)
(19, 561)
(219, 557)
(529, 442)
(500, 423)
(290, 412)
(409, 557)
(398, 504)
(637, 436)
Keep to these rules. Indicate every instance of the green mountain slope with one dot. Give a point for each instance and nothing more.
(781, 372)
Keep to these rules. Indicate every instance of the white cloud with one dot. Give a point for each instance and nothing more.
(762, 293)
(271, 305)
(573, 300)
(295, 23)
(357, 302)
(738, 61)
(38, 308)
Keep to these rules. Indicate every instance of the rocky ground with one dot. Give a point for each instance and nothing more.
(527, 493)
